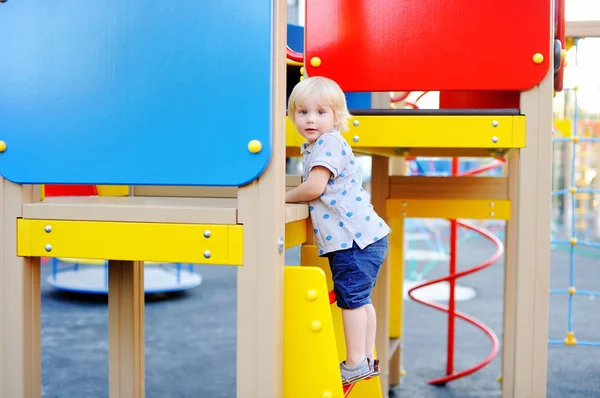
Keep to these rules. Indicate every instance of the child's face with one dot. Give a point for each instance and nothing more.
(313, 118)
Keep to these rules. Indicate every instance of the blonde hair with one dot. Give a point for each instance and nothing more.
(325, 89)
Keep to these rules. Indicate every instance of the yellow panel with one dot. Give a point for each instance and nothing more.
(475, 209)
(309, 256)
(113, 190)
(310, 357)
(85, 261)
(519, 129)
(563, 128)
(396, 276)
(429, 131)
(235, 235)
(184, 243)
(295, 233)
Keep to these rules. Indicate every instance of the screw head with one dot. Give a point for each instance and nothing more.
(538, 58)
(207, 254)
(207, 234)
(355, 138)
(48, 248)
(280, 244)
(316, 326)
(495, 123)
(495, 139)
(48, 228)
(355, 123)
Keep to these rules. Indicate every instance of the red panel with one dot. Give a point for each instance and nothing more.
(409, 45)
(70, 190)
(480, 99)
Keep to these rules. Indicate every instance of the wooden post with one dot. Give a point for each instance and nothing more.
(261, 209)
(380, 192)
(126, 329)
(527, 275)
(20, 363)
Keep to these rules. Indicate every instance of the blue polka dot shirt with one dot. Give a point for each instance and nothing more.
(343, 214)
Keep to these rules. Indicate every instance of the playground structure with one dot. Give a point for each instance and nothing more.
(100, 82)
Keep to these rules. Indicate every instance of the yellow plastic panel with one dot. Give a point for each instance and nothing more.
(113, 190)
(396, 254)
(310, 358)
(184, 243)
(430, 131)
(475, 209)
(295, 233)
(309, 256)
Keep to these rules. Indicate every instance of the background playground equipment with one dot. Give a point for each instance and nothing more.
(79, 275)
(133, 92)
(581, 193)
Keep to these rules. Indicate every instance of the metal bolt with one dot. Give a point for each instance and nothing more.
(492, 214)
(207, 254)
(403, 213)
(355, 123)
(48, 228)
(280, 245)
(403, 204)
(495, 123)
(494, 139)
(491, 204)
(207, 234)
(355, 138)
(48, 247)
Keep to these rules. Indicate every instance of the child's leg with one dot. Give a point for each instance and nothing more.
(371, 331)
(355, 330)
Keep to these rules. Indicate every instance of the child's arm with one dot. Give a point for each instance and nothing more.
(310, 189)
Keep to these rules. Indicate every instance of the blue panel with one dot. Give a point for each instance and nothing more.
(295, 37)
(358, 100)
(135, 92)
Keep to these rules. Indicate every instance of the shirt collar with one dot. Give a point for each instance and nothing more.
(307, 146)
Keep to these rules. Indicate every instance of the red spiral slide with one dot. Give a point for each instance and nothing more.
(451, 279)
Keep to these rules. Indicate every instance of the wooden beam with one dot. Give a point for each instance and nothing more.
(492, 188)
(583, 28)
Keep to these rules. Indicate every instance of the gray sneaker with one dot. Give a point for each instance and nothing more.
(359, 372)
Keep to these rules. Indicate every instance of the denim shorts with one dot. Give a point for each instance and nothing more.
(355, 272)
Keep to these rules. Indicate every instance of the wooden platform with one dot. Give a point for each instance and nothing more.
(174, 226)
